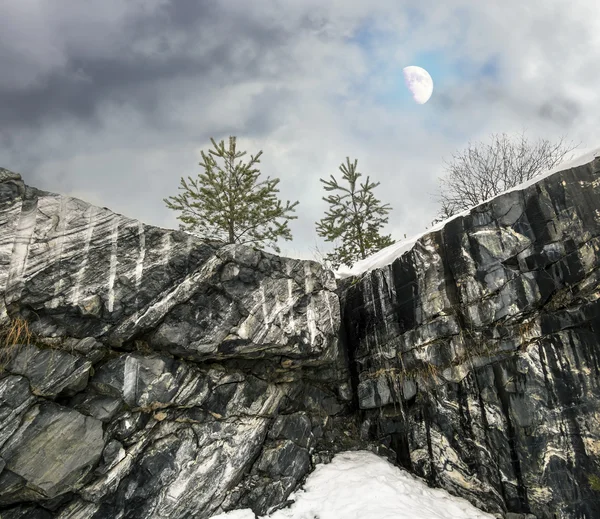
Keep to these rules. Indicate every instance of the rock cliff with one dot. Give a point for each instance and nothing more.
(476, 354)
(146, 373)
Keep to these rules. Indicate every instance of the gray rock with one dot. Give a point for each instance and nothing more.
(223, 373)
(11, 186)
(266, 495)
(295, 427)
(89, 347)
(25, 512)
(138, 380)
(113, 453)
(285, 459)
(15, 399)
(50, 372)
(103, 408)
(50, 453)
(195, 346)
(476, 351)
(117, 278)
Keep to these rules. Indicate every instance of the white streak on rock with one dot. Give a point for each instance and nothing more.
(139, 266)
(112, 274)
(328, 302)
(290, 301)
(381, 276)
(166, 301)
(16, 270)
(60, 227)
(130, 380)
(290, 304)
(311, 320)
(188, 249)
(91, 216)
(309, 282)
(263, 300)
(311, 315)
(9, 220)
(109, 482)
(166, 250)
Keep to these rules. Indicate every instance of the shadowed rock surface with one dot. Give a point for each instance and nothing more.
(476, 354)
(170, 377)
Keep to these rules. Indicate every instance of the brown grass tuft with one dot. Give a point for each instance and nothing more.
(13, 334)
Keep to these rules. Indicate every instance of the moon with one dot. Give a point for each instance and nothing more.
(419, 82)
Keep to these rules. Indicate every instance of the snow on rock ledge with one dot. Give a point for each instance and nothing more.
(389, 254)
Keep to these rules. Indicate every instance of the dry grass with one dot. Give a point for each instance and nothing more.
(13, 334)
(142, 346)
(425, 370)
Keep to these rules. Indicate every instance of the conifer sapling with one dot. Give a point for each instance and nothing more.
(355, 218)
(228, 206)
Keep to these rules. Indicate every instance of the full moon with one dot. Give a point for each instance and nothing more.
(419, 82)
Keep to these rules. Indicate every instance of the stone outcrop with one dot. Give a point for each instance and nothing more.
(476, 354)
(166, 376)
(162, 376)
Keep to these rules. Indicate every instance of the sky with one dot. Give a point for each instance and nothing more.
(113, 101)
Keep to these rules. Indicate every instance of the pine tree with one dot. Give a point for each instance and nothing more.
(227, 205)
(355, 217)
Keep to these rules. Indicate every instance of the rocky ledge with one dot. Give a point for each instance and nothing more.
(476, 354)
(151, 374)
(146, 373)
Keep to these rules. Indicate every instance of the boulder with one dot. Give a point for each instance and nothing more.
(50, 454)
(171, 377)
(50, 372)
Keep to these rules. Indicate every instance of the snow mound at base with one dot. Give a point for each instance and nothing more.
(361, 485)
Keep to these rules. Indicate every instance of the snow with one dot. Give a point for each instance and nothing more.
(389, 254)
(361, 485)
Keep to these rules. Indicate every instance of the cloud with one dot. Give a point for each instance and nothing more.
(116, 99)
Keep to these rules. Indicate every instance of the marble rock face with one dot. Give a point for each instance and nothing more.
(476, 354)
(169, 377)
(165, 376)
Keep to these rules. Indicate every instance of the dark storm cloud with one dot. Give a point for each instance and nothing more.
(484, 95)
(131, 77)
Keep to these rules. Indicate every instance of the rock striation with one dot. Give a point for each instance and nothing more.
(476, 354)
(146, 373)
(164, 377)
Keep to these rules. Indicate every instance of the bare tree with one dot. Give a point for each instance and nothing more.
(483, 171)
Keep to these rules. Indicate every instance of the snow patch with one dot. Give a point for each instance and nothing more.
(361, 485)
(389, 254)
